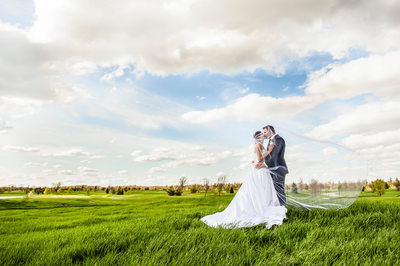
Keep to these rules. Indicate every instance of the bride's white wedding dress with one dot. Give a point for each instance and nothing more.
(256, 202)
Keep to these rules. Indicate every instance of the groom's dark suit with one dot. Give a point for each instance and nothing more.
(275, 162)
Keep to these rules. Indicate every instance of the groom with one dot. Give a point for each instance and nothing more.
(274, 160)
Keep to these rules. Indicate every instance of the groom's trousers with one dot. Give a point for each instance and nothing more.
(278, 177)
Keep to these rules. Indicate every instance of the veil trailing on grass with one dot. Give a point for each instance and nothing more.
(322, 174)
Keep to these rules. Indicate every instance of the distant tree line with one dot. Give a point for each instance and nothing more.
(315, 187)
(221, 186)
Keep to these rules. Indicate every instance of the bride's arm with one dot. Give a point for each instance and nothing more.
(271, 147)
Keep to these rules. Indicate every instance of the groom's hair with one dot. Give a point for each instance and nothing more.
(258, 133)
(270, 128)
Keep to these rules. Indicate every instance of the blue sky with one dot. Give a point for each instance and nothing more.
(155, 91)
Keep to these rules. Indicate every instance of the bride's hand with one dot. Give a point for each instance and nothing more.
(259, 165)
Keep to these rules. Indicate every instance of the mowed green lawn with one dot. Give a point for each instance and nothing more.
(150, 227)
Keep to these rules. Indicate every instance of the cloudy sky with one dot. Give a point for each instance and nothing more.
(144, 92)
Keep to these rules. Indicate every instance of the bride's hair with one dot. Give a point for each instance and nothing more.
(257, 134)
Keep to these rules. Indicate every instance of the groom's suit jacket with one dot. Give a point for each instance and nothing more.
(277, 155)
(275, 162)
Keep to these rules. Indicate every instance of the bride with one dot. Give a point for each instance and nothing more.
(256, 201)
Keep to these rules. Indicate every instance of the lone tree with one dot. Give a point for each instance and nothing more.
(221, 183)
(379, 186)
(314, 187)
(301, 185)
(206, 183)
(339, 188)
(57, 185)
(294, 188)
(182, 182)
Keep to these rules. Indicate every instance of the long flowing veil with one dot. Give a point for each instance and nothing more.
(322, 174)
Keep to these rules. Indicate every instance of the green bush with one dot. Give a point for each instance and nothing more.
(379, 186)
(396, 183)
(178, 192)
(193, 189)
(171, 191)
(47, 191)
(120, 191)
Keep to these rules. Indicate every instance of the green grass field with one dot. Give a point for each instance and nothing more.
(150, 227)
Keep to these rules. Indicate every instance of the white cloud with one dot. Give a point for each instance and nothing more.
(254, 107)
(96, 157)
(248, 35)
(220, 174)
(118, 72)
(243, 91)
(20, 149)
(136, 153)
(87, 171)
(155, 155)
(329, 151)
(198, 148)
(364, 119)
(74, 37)
(363, 141)
(4, 126)
(22, 65)
(187, 155)
(73, 152)
(157, 169)
(29, 70)
(36, 164)
(66, 172)
(377, 74)
(131, 107)
(201, 158)
(17, 107)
